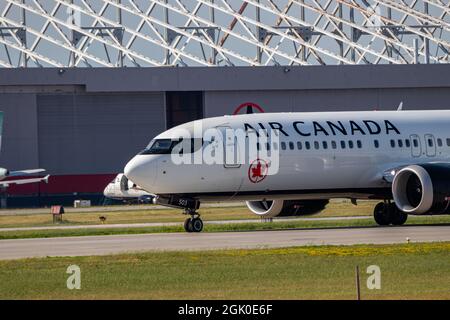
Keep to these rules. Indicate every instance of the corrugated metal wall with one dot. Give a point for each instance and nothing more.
(95, 133)
(19, 148)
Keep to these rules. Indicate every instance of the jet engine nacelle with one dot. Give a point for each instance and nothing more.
(284, 208)
(422, 189)
(3, 173)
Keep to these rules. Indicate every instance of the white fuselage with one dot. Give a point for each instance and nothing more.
(349, 153)
(123, 189)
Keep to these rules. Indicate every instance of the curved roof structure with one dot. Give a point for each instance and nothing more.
(144, 33)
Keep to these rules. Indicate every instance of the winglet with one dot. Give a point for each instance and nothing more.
(400, 106)
(25, 172)
(45, 179)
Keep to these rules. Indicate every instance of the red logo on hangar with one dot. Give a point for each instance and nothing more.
(248, 108)
(257, 171)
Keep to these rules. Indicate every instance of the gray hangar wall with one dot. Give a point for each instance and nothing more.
(77, 133)
(95, 133)
(82, 125)
(222, 102)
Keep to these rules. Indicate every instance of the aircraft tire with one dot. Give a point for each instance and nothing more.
(197, 225)
(188, 225)
(397, 216)
(381, 214)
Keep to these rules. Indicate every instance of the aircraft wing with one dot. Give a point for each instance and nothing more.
(24, 181)
(24, 172)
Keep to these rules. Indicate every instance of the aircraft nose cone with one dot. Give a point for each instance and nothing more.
(106, 192)
(133, 169)
(141, 171)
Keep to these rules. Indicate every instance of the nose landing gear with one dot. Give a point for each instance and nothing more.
(386, 213)
(190, 206)
(194, 223)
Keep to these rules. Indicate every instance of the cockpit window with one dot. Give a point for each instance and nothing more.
(160, 146)
(166, 146)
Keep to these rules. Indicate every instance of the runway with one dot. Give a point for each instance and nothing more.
(103, 245)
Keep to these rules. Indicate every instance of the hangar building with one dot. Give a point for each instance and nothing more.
(82, 125)
(85, 85)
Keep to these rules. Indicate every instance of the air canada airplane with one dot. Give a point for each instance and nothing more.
(301, 161)
(5, 173)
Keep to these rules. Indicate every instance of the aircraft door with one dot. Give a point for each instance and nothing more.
(430, 145)
(230, 170)
(416, 148)
(231, 152)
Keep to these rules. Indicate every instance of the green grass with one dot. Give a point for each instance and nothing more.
(410, 271)
(367, 222)
(126, 216)
(336, 208)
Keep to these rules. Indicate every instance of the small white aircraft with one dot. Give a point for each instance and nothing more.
(5, 173)
(121, 188)
(402, 156)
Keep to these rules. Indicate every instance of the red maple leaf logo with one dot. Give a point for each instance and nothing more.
(257, 171)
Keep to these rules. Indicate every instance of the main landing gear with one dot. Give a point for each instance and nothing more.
(194, 223)
(386, 213)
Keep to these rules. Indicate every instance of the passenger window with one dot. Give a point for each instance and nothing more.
(333, 144)
(268, 146)
(400, 143)
(307, 145)
(299, 145)
(439, 142)
(407, 143)
(376, 144)
(350, 144)
(316, 145)
(392, 143)
(324, 144)
(359, 144)
(291, 145)
(283, 145)
(448, 142)
(342, 144)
